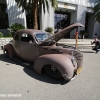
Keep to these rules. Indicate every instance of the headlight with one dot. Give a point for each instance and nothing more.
(74, 62)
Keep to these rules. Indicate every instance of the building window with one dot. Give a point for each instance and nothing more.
(62, 20)
(29, 19)
(86, 22)
(3, 17)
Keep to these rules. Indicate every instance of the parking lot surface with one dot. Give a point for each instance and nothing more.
(21, 83)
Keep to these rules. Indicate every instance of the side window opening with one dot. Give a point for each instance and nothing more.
(17, 38)
(26, 38)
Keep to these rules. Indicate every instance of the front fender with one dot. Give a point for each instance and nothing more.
(60, 61)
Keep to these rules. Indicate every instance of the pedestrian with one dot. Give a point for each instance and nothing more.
(97, 44)
(95, 35)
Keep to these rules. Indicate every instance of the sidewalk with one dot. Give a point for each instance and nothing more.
(82, 43)
(87, 51)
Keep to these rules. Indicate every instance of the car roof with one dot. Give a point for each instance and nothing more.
(30, 31)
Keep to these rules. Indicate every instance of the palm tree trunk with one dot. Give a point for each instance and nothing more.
(35, 11)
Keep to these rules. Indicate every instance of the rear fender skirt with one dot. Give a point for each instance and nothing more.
(62, 63)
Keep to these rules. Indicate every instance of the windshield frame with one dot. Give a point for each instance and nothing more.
(41, 33)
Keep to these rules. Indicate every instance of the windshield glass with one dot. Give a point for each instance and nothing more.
(41, 36)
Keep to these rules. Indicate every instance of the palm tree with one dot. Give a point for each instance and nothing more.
(35, 6)
(96, 10)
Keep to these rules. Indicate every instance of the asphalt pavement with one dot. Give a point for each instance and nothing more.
(20, 83)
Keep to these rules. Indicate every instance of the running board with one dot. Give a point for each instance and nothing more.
(23, 62)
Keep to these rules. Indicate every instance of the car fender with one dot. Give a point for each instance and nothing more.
(10, 50)
(60, 61)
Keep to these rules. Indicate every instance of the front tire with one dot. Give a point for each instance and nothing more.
(53, 72)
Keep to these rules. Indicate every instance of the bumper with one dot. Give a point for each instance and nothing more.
(77, 72)
(66, 77)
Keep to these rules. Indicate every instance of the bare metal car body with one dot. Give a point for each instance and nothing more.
(56, 60)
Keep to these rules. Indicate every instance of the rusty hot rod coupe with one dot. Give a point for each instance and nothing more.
(40, 48)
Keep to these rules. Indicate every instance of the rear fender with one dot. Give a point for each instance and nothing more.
(10, 50)
(62, 63)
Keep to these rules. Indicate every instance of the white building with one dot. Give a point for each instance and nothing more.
(68, 12)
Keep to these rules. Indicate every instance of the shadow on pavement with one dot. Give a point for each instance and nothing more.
(29, 71)
(44, 77)
(87, 51)
(6, 59)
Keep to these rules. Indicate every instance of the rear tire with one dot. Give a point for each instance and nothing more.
(53, 72)
(6, 52)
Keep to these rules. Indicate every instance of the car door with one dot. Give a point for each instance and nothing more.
(27, 47)
(16, 44)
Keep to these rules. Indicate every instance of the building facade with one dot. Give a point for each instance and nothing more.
(68, 12)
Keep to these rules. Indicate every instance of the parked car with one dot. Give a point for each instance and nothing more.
(40, 48)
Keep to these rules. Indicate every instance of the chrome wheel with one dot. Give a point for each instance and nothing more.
(53, 72)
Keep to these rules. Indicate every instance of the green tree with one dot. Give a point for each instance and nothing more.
(96, 10)
(36, 6)
(14, 28)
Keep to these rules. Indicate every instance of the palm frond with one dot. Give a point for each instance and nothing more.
(24, 5)
(97, 17)
(29, 5)
(96, 10)
(43, 2)
(36, 5)
(19, 3)
(54, 3)
(47, 5)
(40, 6)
